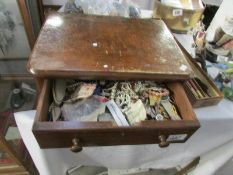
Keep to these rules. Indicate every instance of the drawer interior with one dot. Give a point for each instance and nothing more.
(197, 72)
(182, 104)
(52, 134)
(214, 95)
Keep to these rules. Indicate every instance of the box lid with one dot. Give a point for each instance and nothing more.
(101, 47)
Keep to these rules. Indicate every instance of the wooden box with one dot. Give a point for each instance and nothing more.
(215, 94)
(109, 48)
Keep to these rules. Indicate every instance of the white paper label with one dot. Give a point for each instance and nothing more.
(177, 12)
(183, 67)
(117, 114)
(177, 137)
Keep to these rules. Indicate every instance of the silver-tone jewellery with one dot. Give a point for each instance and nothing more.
(159, 117)
(127, 88)
(123, 100)
(110, 92)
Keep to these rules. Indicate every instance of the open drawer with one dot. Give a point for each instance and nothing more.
(76, 134)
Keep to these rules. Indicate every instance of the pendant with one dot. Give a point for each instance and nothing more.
(154, 99)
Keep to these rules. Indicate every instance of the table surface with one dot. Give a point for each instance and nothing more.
(216, 129)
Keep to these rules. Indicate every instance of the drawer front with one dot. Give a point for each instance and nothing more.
(49, 136)
(62, 134)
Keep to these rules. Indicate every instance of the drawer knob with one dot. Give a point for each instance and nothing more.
(76, 146)
(163, 143)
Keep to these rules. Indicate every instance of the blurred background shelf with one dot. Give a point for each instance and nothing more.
(14, 157)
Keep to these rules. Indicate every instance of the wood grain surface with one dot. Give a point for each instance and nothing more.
(100, 47)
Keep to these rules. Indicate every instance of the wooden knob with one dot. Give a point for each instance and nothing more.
(163, 143)
(76, 147)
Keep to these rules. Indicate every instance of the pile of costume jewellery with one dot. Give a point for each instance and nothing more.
(123, 103)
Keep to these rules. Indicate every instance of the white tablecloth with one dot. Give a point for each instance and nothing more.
(216, 130)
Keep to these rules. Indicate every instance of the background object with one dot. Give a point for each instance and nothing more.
(122, 8)
(27, 22)
(144, 4)
(180, 16)
(212, 2)
(225, 10)
(209, 14)
(48, 6)
(41, 11)
(33, 11)
(14, 158)
(13, 40)
(31, 18)
(17, 36)
(8, 68)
